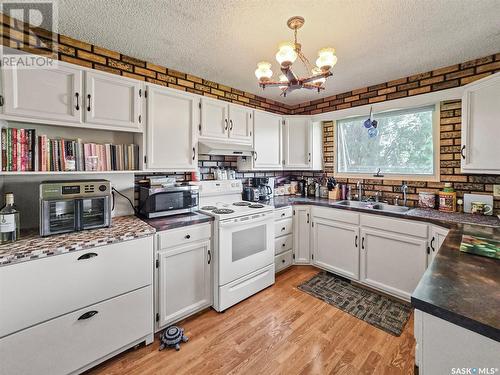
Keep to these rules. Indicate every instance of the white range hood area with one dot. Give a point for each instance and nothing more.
(211, 147)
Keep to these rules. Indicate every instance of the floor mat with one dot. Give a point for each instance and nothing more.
(374, 308)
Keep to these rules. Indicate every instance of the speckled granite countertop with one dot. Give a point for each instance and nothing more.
(461, 288)
(31, 246)
(176, 221)
(420, 214)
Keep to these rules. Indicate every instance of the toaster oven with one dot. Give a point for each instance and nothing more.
(68, 206)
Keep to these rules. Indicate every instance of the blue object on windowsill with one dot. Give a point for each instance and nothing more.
(371, 125)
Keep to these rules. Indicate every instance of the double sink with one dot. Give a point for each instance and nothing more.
(372, 206)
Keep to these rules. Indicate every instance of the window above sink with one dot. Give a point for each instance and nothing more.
(405, 145)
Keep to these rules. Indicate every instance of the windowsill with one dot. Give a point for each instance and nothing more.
(398, 177)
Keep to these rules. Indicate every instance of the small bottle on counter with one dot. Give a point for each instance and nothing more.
(9, 220)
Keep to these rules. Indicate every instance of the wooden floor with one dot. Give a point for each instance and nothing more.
(281, 330)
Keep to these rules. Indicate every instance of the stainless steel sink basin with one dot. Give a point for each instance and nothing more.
(372, 206)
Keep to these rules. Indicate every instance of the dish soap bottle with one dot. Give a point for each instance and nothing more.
(9, 220)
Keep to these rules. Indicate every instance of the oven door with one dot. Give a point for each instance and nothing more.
(94, 212)
(245, 245)
(58, 216)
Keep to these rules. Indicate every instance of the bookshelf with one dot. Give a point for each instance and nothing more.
(101, 136)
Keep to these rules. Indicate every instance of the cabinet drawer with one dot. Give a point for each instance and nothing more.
(39, 290)
(283, 227)
(282, 213)
(68, 343)
(344, 216)
(283, 243)
(399, 226)
(180, 236)
(283, 261)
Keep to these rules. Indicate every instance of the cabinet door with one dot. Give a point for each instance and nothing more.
(297, 143)
(185, 282)
(240, 123)
(172, 120)
(44, 94)
(214, 119)
(480, 114)
(267, 141)
(112, 100)
(301, 235)
(392, 263)
(437, 238)
(335, 247)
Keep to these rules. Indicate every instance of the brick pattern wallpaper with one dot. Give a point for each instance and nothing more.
(450, 126)
(439, 79)
(84, 54)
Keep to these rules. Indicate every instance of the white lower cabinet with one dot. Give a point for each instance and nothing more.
(335, 247)
(301, 235)
(73, 342)
(446, 348)
(184, 276)
(392, 262)
(66, 313)
(436, 239)
(283, 243)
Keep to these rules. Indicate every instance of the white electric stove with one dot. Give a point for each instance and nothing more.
(243, 242)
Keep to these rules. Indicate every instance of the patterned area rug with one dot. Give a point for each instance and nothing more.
(375, 309)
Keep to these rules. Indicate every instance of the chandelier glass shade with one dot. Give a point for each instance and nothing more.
(287, 54)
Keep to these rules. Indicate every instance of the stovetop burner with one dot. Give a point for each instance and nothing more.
(209, 208)
(256, 205)
(242, 204)
(223, 211)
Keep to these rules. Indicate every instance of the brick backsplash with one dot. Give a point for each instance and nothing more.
(91, 56)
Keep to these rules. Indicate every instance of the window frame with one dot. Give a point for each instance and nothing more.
(436, 138)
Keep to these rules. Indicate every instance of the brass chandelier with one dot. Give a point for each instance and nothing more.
(286, 56)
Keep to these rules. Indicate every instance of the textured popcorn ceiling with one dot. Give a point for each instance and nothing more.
(222, 40)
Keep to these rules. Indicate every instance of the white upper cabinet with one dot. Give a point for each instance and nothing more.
(172, 121)
(480, 125)
(214, 119)
(297, 143)
(302, 143)
(226, 122)
(267, 141)
(53, 94)
(112, 100)
(240, 123)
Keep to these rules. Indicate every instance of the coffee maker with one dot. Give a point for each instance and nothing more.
(264, 186)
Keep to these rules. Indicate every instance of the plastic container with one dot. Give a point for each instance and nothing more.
(427, 200)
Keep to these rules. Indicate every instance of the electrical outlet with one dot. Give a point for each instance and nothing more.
(496, 190)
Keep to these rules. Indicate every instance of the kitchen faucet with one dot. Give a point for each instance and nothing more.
(404, 189)
(359, 185)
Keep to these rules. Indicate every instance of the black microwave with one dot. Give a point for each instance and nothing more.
(165, 201)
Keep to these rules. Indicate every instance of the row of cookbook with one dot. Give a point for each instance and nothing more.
(24, 150)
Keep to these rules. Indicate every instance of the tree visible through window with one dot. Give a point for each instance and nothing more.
(404, 144)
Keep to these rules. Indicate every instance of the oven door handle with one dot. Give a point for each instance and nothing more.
(265, 217)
